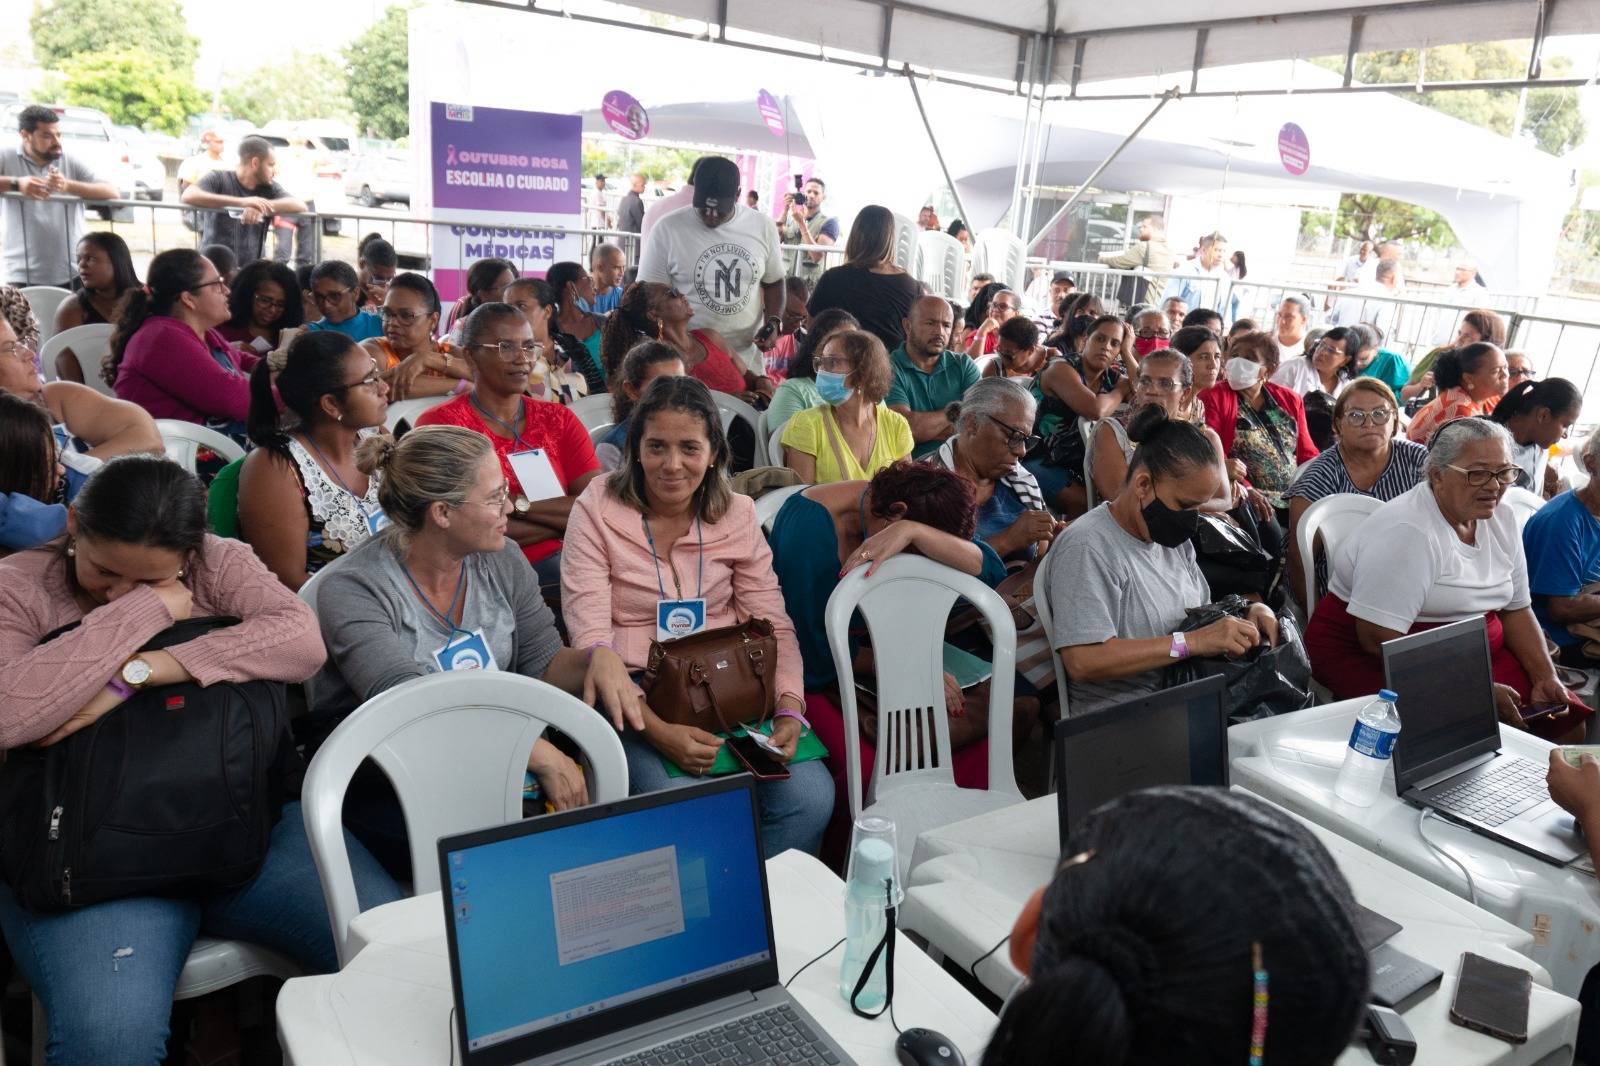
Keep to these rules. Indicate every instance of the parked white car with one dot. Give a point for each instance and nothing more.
(149, 173)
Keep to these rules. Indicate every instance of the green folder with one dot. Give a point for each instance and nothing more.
(807, 749)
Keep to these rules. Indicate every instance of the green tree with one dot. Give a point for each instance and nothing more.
(1366, 217)
(377, 69)
(66, 28)
(135, 88)
(310, 85)
(1552, 116)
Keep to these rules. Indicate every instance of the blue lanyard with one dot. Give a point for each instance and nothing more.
(509, 427)
(361, 503)
(700, 579)
(442, 617)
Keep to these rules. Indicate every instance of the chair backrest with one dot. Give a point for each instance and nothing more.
(1524, 504)
(768, 504)
(185, 439)
(593, 410)
(906, 604)
(409, 410)
(731, 407)
(1335, 517)
(455, 747)
(89, 343)
(906, 248)
(775, 446)
(43, 300)
(1041, 609)
(598, 433)
(1086, 428)
(944, 265)
(1001, 253)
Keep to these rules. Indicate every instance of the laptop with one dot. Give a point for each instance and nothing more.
(1448, 755)
(1176, 736)
(635, 932)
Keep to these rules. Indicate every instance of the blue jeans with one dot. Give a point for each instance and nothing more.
(794, 812)
(106, 972)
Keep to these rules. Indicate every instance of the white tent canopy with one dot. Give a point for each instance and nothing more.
(1073, 41)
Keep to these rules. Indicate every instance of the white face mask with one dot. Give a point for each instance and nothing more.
(1242, 373)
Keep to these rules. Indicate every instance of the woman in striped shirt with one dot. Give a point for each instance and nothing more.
(1367, 458)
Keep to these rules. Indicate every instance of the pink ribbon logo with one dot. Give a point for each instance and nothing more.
(450, 155)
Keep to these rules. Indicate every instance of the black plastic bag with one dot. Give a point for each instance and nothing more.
(1263, 683)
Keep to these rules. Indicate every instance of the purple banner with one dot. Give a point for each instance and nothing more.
(625, 115)
(493, 159)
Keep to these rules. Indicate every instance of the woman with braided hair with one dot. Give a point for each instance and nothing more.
(1185, 927)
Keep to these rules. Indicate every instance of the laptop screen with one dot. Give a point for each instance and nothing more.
(632, 901)
(1177, 736)
(1446, 698)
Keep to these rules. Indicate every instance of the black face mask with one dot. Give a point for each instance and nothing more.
(1168, 527)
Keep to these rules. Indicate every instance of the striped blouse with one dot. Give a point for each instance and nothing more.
(1327, 475)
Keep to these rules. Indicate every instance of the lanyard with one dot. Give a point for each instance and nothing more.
(700, 580)
(509, 427)
(442, 617)
(361, 503)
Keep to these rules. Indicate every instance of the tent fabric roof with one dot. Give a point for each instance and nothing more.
(1156, 37)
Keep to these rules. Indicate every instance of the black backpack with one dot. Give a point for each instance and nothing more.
(174, 793)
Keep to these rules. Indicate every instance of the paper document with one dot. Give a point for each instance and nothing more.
(536, 476)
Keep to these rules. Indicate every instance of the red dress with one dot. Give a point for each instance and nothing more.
(717, 370)
(547, 426)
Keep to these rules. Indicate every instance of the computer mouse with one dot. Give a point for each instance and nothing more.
(924, 1047)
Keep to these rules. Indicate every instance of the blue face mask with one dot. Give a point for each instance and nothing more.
(832, 387)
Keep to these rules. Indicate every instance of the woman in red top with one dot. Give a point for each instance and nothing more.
(651, 311)
(499, 341)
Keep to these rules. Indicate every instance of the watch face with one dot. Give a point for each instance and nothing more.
(136, 672)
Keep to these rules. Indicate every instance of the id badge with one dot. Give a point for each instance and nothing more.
(468, 651)
(679, 618)
(376, 521)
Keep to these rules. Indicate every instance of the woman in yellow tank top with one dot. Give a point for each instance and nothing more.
(852, 435)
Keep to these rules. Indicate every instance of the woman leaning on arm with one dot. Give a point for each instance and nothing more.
(135, 560)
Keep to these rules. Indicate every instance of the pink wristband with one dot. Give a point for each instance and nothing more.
(784, 712)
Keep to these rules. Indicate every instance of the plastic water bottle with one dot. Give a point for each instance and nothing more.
(872, 886)
(1371, 745)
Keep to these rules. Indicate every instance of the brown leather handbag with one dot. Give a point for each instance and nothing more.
(717, 680)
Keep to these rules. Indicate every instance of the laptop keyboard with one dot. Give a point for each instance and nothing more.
(777, 1034)
(1513, 786)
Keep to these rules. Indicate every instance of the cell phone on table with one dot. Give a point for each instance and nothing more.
(762, 764)
(1540, 710)
(1492, 998)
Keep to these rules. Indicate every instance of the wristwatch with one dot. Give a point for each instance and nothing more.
(1180, 646)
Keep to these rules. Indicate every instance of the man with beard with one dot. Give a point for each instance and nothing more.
(42, 237)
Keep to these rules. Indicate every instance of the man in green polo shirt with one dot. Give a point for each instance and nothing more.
(927, 376)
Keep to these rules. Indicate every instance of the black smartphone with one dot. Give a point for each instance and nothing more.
(1492, 998)
(1537, 711)
(763, 766)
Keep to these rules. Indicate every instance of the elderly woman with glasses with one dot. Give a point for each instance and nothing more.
(412, 362)
(1442, 551)
(1366, 458)
(544, 450)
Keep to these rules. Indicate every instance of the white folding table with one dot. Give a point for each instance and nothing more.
(1293, 759)
(392, 1003)
(968, 881)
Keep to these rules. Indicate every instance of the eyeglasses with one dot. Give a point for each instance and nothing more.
(1015, 437)
(834, 364)
(405, 318)
(330, 297)
(371, 379)
(1506, 475)
(1159, 384)
(498, 501)
(1378, 416)
(17, 350)
(1146, 334)
(268, 303)
(1518, 372)
(511, 350)
(208, 284)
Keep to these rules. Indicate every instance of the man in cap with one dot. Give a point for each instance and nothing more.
(724, 258)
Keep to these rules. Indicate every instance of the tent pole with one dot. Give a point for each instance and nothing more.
(1030, 69)
(955, 194)
(1166, 98)
(1031, 193)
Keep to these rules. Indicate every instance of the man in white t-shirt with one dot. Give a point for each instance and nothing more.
(724, 258)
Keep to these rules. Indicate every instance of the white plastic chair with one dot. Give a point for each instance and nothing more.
(768, 504)
(906, 603)
(409, 410)
(1524, 504)
(944, 265)
(594, 410)
(1001, 253)
(185, 439)
(597, 433)
(1335, 517)
(1086, 430)
(89, 343)
(1041, 607)
(775, 447)
(455, 747)
(731, 407)
(907, 251)
(43, 300)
